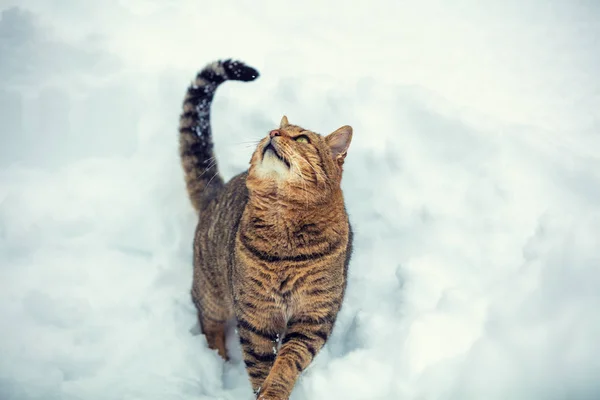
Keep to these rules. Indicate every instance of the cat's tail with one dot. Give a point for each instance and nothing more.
(195, 141)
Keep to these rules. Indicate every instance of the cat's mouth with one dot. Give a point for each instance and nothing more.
(271, 151)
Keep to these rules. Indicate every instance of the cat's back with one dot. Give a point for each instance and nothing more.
(219, 219)
(226, 201)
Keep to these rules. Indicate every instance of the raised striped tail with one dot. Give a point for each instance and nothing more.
(195, 138)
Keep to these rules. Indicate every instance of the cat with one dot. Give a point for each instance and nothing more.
(272, 245)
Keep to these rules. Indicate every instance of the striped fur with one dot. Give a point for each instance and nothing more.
(195, 138)
(271, 250)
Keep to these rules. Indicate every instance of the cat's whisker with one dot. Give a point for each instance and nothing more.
(209, 168)
(248, 142)
(318, 174)
(213, 177)
(210, 160)
(303, 180)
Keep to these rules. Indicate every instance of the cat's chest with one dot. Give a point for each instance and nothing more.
(283, 284)
(284, 287)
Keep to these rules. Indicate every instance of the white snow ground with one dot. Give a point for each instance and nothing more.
(473, 184)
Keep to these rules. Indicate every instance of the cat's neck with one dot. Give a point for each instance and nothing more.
(272, 218)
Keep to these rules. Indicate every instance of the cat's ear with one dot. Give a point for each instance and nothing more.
(284, 122)
(339, 141)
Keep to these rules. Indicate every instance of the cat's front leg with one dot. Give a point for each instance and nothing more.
(260, 325)
(306, 335)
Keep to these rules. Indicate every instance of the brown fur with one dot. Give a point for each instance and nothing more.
(271, 250)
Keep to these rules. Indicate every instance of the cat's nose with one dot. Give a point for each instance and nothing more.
(274, 132)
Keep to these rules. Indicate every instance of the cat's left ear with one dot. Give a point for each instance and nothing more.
(339, 141)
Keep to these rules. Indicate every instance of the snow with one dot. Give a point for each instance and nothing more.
(472, 183)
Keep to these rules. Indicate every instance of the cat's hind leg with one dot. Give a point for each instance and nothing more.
(214, 331)
(213, 312)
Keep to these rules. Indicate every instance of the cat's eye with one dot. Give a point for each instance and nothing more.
(302, 139)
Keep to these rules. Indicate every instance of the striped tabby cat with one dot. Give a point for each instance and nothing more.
(272, 245)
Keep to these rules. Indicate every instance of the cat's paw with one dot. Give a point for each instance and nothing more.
(267, 394)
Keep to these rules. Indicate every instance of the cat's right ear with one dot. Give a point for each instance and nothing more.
(284, 122)
(339, 141)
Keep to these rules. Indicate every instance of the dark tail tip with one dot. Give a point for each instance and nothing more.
(238, 71)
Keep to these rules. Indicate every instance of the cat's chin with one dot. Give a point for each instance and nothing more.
(272, 167)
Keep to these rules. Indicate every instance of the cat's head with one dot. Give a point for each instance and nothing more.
(299, 164)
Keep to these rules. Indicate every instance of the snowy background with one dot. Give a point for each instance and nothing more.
(473, 183)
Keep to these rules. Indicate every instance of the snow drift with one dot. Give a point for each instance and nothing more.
(472, 183)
